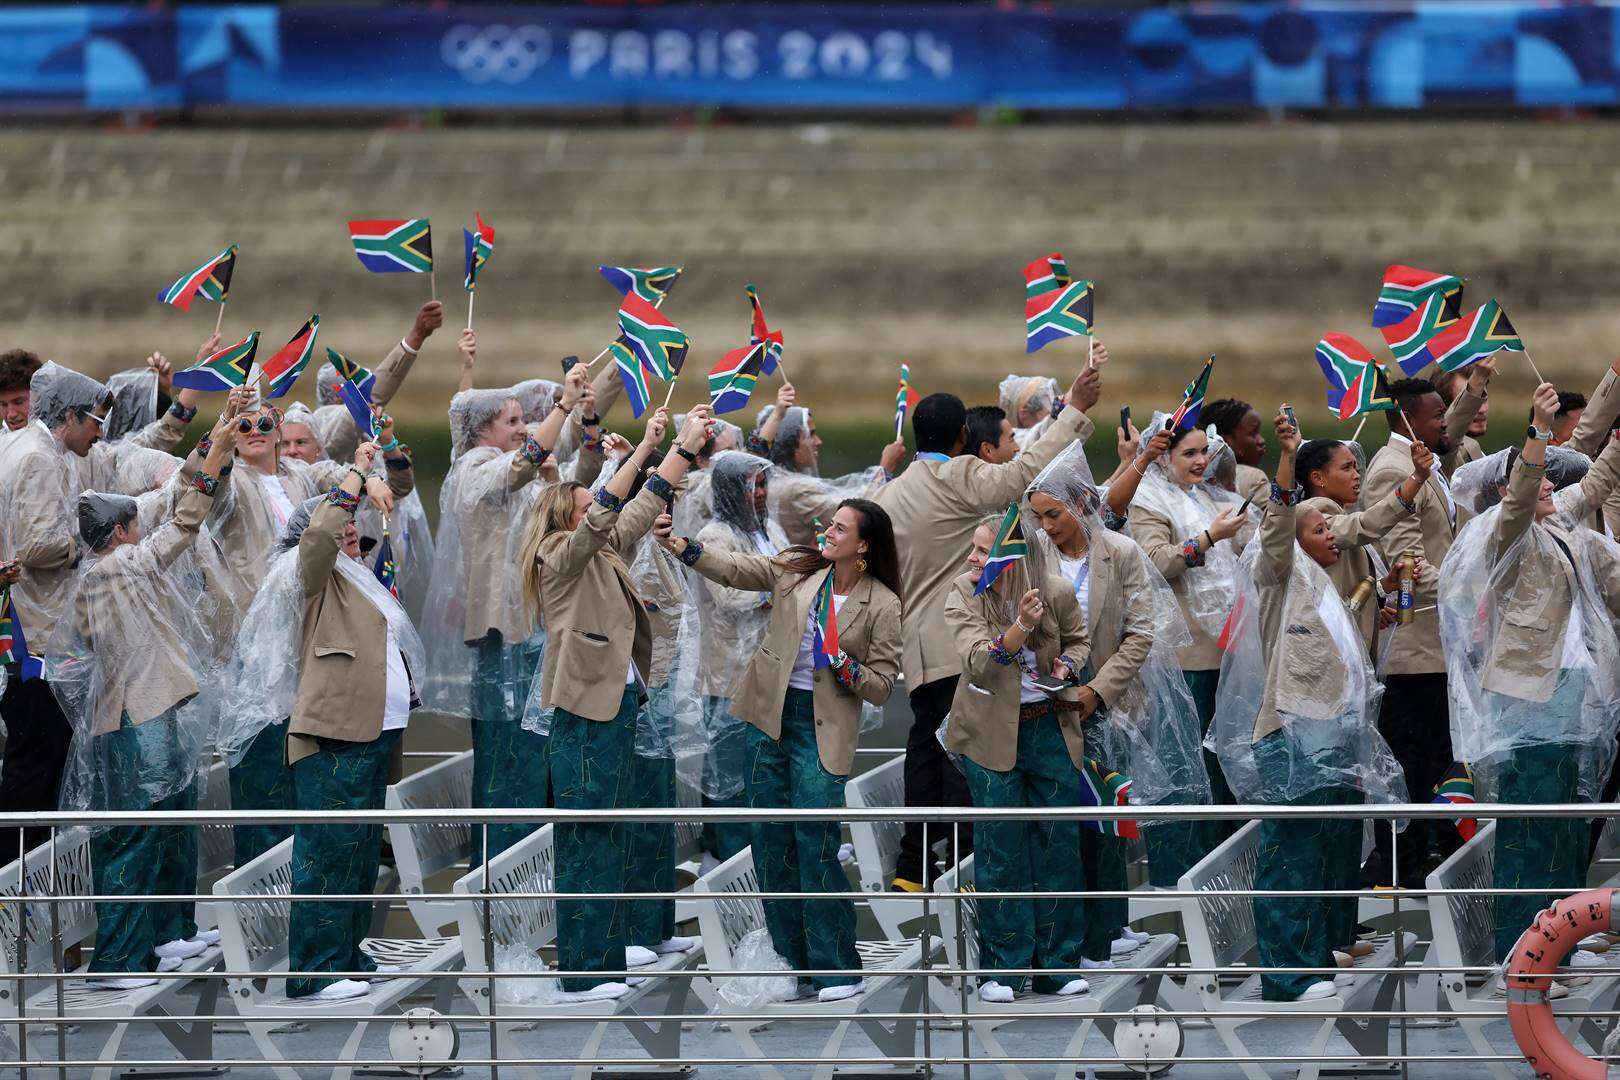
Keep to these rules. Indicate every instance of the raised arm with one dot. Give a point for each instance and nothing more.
(1276, 559)
(322, 542)
(1601, 409)
(169, 540)
(1465, 406)
(1122, 486)
(397, 364)
(1524, 483)
(990, 487)
(745, 573)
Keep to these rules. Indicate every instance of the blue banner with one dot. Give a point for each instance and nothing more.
(1303, 55)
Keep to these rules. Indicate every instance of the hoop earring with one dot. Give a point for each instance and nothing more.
(860, 565)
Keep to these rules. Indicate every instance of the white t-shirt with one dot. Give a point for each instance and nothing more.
(1028, 692)
(1078, 571)
(276, 495)
(397, 694)
(804, 665)
(764, 544)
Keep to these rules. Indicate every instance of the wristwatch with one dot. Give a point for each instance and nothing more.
(1540, 436)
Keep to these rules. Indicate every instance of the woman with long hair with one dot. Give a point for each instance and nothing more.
(598, 659)
(803, 701)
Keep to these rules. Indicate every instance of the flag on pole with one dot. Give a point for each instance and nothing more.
(1192, 399)
(1102, 786)
(1412, 307)
(651, 285)
(1457, 788)
(905, 399)
(1481, 333)
(826, 624)
(1233, 629)
(225, 370)
(283, 369)
(634, 375)
(364, 379)
(1045, 275)
(385, 569)
(1357, 381)
(13, 644)
(480, 246)
(211, 281)
(359, 406)
(732, 380)
(658, 343)
(758, 331)
(1008, 547)
(1057, 314)
(393, 246)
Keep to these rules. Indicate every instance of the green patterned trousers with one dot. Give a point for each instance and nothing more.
(509, 761)
(326, 935)
(142, 860)
(1174, 847)
(1103, 857)
(591, 770)
(723, 769)
(1303, 854)
(1536, 853)
(261, 780)
(803, 856)
(650, 846)
(1029, 856)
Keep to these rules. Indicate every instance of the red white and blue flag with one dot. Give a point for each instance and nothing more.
(826, 624)
(211, 280)
(283, 369)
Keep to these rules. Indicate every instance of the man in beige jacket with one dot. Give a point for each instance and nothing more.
(936, 505)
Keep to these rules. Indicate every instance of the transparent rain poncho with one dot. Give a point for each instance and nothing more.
(1510, 688)
(1034, 395)
(55, 392)
(135, 401)
(260, 685)
(1478, 484)
(132, 662)
(1151, 733)
(1206, 591)
(37, 490)
(410, 538)
(692, 508)
(1297, 706)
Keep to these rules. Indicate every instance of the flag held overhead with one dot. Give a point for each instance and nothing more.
(393, 246)
(364, 379)
(905, 399)
(211, 280)
(652, 285)
(633, 374)
(732, 380)
(1483, 332)
(758, 331)
(1192, 400)
(1008, 547)
(1413, 306)
(658, 343)
(224, 370)
(1357, 381)
(1043, 276)
(283, 369)
(359, 406)
(1057, 314)
(480, 246)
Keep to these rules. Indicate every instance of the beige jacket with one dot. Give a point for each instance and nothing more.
(1431, 530)
(1156, 535)
(984, 713)
(1253, 483)
(935, 507)
(1119, 616)
(1459, 416)
(596, 624)
(1354, 531)
(731, 620)
(143, 672)
(1591, 437)
(868, 631)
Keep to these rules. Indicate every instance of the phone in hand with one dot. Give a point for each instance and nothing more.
(1244, 509)
(568, 363)
(1124, 421)
(1293, 422)
(1051, 684)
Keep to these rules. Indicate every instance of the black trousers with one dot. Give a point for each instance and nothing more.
(931, 780)
(37, 738)
(1415, 721)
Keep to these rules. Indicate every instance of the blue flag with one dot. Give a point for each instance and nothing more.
(359, 408)
(385, 569)
(13, 646)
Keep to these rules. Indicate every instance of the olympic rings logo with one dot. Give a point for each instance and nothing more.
(495, 53)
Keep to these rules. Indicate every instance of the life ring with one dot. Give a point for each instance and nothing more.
(1536, 956)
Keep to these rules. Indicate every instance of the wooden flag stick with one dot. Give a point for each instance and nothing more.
(1407, 421)
(1532, 364)
(433, 285)
(470, 298)
(1357, 433)
(220, 318)
(671, 392)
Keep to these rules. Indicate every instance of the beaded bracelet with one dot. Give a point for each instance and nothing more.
(532, 452)
(692, 553)
(343, 500)
(758, 446)
(1409, 507)
(204, 445)
(847, 670)
(999, 652)
(1291, 497)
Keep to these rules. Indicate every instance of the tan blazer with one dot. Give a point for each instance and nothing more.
(1431, 530)
(1253, 483)
(868, 630)
(935, 507)
(1592, 430)
(1156, 535)
(1459, 415)
(343, 662)
(1354, 530)
(144, 670)
(1293, 688)
(594, 618)
(481, 491)
(1119, 618)
(984, 713)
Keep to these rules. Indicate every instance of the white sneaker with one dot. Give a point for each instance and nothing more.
(676, 945)
(635, 980)
(1122, 946)
(1318, 990)
(1139, 936)
(169, 963)
(639, 956)
(1344, 978)
(1074, 986)
(601, 992)
(342, 990)
(207, 937)
(385, 969)
(1095, 965)
(122, 982)
(846, 854)
(180, 950)
(1582, 958)
(1597, 943)
(841, 993)
(995, 993)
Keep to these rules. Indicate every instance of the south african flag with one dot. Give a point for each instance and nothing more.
(826, 624)
(658, 343)
(1045, 275)
(1357, 382)
(758, 331)
(1102, 786)
(634, 376)
(225, 370)
(364, 379)
(1056, 314)
(211, 281)
(1457, 787)
(385, 569)
(1481, 333)
(1008, 547)
(480, 246)
(283, 369)
(13, 646)
(393, 246)
(905, 399)
(1192, 399)
(652, 285)
(732, 380)
(1412, 307)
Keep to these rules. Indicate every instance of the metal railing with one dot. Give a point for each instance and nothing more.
(38, 998)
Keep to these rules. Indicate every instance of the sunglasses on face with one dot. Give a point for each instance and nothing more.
(265, 424)
(86, 414)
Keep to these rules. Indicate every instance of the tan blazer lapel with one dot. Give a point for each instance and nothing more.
(1102, 595)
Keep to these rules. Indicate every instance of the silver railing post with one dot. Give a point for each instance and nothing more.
(961, 952)
(1400, 938)
(489, 960)
(58, 960)
(22, 953)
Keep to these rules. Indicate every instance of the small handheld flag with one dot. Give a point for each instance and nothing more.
(1046, 275)
(480, 246)
(905, 399)
(651, 285)
(393, 246)
(1412, 307)
(1102, 786)
(1057, 314)
(225, 370)
(13, 645)
(211, 281)
(732, 380)
(359, 406)
(658, 343)
(826, 624)
(1192, 399)
(364, 379)
(758, 331)
(1457, 788)
(1483, 332)
(1357, 381)
(634, 376)
(283, 369)
(1009, 547)
(384, 567)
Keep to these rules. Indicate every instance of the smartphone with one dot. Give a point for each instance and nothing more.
(1051, 684)
(1124, 421)
(1244, 509)
(568, 363)
(1288, 411)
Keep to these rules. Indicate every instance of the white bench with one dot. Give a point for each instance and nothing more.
(68, 874)
(1465, 936)
(1110, 991)
(877, 847)
(216, 844)
(1221, 935)
(420, 851)
(726, 920)
(529, 866)
(253, 917)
